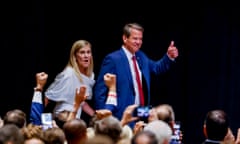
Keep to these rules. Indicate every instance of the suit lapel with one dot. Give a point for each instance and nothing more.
(126, 65)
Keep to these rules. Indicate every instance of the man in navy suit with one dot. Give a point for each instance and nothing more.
(120, 63)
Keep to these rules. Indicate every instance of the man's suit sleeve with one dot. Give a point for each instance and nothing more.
(101, 90)
(162, 65)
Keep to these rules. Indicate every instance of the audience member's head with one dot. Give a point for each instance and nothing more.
(99, 139)
(32, 131)
(10, 134)
(216, 125)
(54, 135)
(161, 129)
(144, 137)
(127, 132)
(109, 126)
(34, 140)
(163, 112)
(126, 135)
(16, 116)
(75, 131)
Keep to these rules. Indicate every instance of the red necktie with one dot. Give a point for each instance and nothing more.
(141, 95)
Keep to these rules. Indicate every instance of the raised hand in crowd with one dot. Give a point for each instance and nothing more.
(100, 114)
(110, 81)
(41, 79)
(128, 115)
(138, 127)
(80, 96)
(230, 138)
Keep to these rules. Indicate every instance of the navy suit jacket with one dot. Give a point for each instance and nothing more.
(117, 63)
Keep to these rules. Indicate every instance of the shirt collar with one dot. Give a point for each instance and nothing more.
(129, 55)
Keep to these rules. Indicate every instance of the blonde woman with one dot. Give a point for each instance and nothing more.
(78, 72)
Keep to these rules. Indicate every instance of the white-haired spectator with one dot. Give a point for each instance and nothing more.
(161, 129)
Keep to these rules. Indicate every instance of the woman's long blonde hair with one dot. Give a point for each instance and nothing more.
(72, 59)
